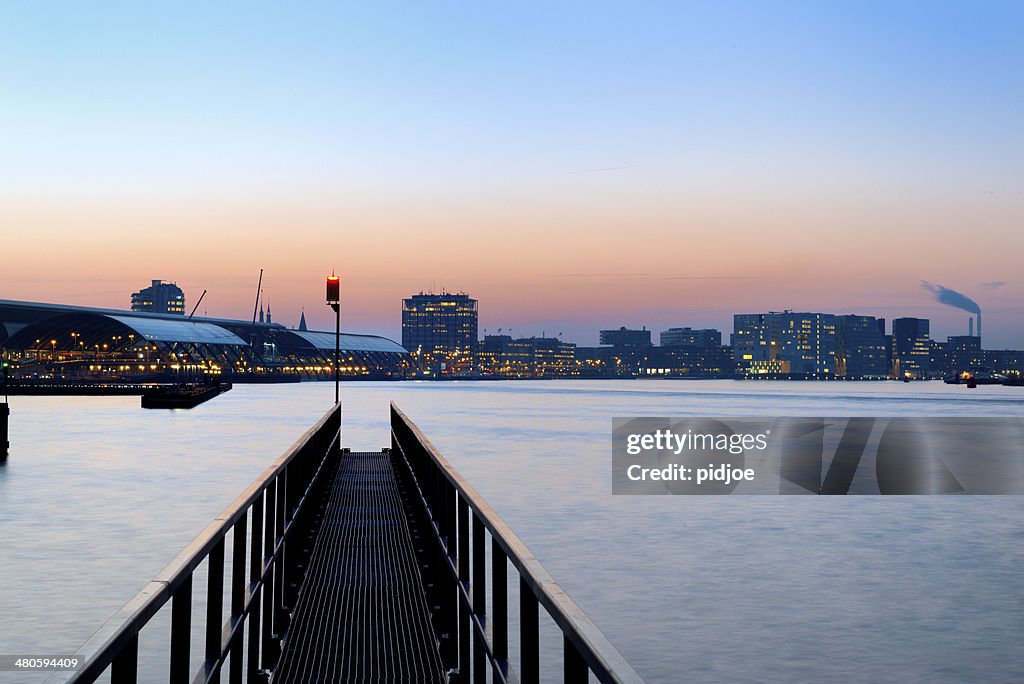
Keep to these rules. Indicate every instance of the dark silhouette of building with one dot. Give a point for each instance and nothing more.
(689, 361)
(861, 351)
(703, 338)
(963, 354)
(440, 332)
(1009, 362)
(624, 337)
(160, 297)
(911, 348)
(940, 359)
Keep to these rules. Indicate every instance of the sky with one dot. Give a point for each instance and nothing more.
(574, 166)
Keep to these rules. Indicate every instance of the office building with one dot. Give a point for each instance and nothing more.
(528, 357)
(911, 348)
(785, 344)
(159, 297)
(440, 332)
(623, 337)
(963, 354)
(861, 352)
(679, 337)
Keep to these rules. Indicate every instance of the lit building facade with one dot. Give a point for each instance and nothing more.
(529, 357)
(786, 344)
(159, 297)
(911, 348)
(440, 332)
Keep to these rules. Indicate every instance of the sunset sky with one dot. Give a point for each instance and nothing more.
(572, 165)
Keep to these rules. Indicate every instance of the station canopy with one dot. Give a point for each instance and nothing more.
(325, 341)
(28, 325)
(69, 330)
(164, 330)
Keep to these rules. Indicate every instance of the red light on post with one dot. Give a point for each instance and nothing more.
(333, 289)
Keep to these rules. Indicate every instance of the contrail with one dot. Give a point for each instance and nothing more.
(952, 297)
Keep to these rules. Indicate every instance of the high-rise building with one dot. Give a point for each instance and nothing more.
(680, 337)
(785, 344)
(754, 347)
(861, 348)
(160, 297)
(911, 348)
(440, 332)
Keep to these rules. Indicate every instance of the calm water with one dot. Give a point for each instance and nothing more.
(98, 495)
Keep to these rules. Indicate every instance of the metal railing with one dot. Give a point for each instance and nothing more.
(457, 514)
(263, 521)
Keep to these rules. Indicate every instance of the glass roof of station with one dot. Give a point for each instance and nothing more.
(163, 330)
(325, 340)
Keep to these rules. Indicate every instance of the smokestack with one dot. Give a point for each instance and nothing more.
(970, 326)
(979, 323)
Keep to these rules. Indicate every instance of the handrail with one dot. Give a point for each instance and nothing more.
(447, 499)
(282, 492)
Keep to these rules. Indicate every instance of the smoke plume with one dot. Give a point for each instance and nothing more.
(952, 297)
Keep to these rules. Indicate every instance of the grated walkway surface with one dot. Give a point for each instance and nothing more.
(362, 615)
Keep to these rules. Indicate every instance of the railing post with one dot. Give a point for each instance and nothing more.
(463, 566)
(280, 615)
(529, 640)
(125, 667)
(499, 606)
(255, 571)
(215, 605)
(269, 648)
(451, 519)
(479, 596)
(237, 598)
(574, 668)
(181, 633)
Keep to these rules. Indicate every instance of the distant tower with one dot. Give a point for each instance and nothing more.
(441, 329)
(261, 313)
(159, 297)
(269, 318)
(302, 321)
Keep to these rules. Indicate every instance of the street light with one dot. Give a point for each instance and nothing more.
(334, 300)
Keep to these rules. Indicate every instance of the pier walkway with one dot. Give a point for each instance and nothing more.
(336, 566)
(362, 614)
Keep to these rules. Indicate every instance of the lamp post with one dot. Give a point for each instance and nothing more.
(334, 300)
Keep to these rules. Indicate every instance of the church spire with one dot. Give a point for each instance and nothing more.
(302, 321)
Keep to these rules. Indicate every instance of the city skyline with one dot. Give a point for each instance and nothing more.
(598, 335)
(658, 165)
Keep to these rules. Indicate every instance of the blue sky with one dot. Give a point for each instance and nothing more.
(792, 128)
